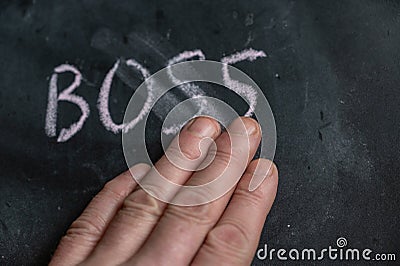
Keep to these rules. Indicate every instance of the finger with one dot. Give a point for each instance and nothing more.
(186, 227)
(86, 231)
(141, 211)
(234, 240)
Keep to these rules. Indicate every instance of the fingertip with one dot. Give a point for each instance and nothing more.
(245, 126)
(252, 126)
(262, 170)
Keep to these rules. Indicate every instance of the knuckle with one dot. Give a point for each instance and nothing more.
(87, 227)
(254, 197)
(156, 188)
(200, 214)
(110, 193)
(223, 156)
(226, 157)
(141, 205)
(225, 152)
(191, 215)
(229, 235)
(119, 187)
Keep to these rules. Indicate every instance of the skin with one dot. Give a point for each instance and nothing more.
(123, 225)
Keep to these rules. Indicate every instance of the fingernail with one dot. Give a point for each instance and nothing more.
(203, 127)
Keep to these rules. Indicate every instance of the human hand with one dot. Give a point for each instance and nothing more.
(123, 224)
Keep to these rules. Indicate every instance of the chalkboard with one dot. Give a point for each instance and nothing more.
(329, 69)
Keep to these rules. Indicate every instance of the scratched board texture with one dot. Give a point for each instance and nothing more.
(331, 76)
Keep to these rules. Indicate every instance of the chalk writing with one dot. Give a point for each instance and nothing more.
(242, 89)
(65, 95)
(190, 90)
(102, 102)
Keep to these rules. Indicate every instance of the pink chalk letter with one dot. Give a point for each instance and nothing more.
(242, 89)
(65, 95)
(102, 102)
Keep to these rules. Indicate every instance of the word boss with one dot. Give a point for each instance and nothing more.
(67, 94)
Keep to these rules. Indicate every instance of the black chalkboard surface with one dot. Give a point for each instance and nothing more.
(331, 75)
